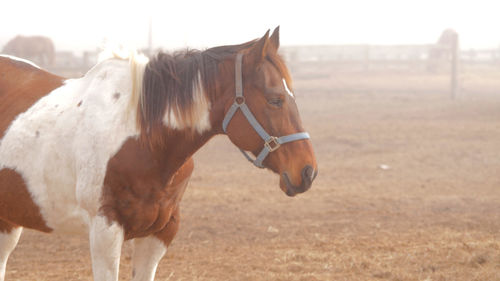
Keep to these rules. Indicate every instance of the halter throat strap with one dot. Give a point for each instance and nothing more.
(271, 143)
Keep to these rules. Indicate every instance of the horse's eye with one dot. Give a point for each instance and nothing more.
(276, 102)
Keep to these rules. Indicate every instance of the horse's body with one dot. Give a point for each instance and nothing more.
(54, 156)
(37, 48)
(104, 154)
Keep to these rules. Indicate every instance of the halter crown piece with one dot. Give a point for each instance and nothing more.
(271, 143)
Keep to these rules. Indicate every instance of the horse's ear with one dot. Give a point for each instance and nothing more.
(274, 40)
(259, 50)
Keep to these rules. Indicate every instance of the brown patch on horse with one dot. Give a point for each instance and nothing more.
(16, 205)
(167, 234)
(277, 61)
(141, 191)
(21, 85)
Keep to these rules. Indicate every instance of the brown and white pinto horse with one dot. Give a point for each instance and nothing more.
(110, 153)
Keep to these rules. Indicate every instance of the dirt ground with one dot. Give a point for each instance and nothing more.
(408, 189)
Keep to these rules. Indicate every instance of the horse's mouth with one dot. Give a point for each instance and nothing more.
(308, 176)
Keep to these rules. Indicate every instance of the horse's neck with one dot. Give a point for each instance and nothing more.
(182, 144)
(179, 147)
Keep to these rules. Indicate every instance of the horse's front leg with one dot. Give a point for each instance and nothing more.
(106, 239)
(9, 236)
(148, 251)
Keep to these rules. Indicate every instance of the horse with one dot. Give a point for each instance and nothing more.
(110, 154)
(37, 48)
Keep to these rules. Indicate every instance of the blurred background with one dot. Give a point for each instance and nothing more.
(402, 101)
(66, 36)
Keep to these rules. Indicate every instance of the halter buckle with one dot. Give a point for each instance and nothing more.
(272, 144)
(239, 100)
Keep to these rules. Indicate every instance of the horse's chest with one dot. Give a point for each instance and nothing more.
(136, 192)
(141, 209)
(140, 214)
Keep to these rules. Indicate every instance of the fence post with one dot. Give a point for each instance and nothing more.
(366, 64)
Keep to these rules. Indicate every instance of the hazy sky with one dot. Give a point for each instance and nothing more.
(80, 25)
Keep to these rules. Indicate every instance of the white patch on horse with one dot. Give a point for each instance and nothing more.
(20, 60)
(106, 241)
(147, 254)
(287, 89)
(8, 242)
(64, 167)
(200, 111)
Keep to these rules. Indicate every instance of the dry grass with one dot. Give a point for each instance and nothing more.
(432, 214)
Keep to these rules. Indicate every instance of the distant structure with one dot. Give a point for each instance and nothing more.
(38, 49)
(443, 52)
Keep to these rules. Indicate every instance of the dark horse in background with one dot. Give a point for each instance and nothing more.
(39, 49)
(110, 154)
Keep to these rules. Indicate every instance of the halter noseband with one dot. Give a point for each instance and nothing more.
(271, 143)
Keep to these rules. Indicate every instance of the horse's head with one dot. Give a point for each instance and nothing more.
(261, 116)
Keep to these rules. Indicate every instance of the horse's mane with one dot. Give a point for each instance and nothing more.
(178, 88)
(173, 90)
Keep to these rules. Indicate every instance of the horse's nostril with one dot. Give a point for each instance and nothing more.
(308, 173)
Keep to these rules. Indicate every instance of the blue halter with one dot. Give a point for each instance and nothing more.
(271, 143)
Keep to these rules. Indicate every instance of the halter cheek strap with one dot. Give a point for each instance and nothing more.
(271, 143)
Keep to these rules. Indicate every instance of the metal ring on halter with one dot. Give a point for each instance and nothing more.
(274, 141)
(239, 100)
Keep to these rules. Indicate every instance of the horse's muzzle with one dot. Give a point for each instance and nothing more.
(308, 176)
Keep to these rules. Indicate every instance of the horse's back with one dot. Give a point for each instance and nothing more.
(21, 85)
